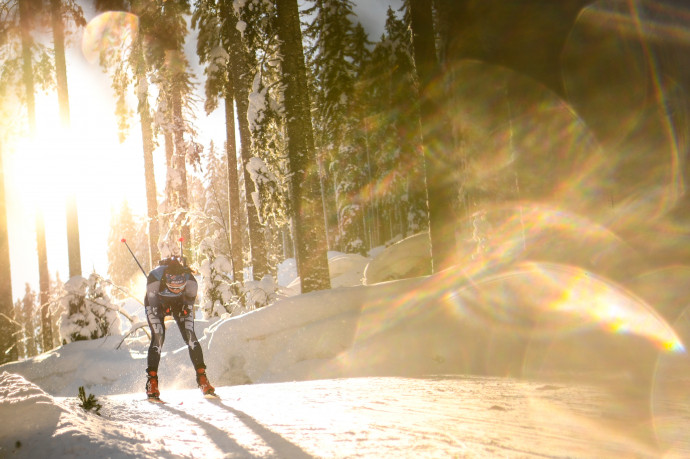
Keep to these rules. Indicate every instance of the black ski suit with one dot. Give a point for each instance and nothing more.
(160, 302)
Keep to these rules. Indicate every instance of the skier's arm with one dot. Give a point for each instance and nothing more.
(152, 293)
(190, 291)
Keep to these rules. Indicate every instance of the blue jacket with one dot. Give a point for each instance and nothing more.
(157, 291)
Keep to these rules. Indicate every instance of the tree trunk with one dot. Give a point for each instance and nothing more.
(239, 70)
(442, 195)
(149, 176)
(165, 219)
(310, 232)
(73, 249)
(27, 66)
(60, 62)
(7, 327)
(43, 277)
(180, 163)
(233, 184)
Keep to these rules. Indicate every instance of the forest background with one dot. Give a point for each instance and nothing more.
(474, 123)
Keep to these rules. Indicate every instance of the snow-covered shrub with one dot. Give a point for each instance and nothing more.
(258, 294)
(89, 311)
(220, 294)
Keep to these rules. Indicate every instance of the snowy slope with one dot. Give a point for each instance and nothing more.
(356, 417)
(537, 359)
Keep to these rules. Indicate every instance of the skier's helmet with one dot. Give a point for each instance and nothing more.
(175, 277)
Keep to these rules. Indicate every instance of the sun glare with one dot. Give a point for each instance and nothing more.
(85, 160)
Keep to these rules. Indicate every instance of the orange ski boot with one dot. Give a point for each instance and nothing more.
(152, 385)
(205, 386)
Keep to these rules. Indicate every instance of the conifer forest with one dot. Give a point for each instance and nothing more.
(500, 131)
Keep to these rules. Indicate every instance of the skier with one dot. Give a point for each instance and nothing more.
(171, 290)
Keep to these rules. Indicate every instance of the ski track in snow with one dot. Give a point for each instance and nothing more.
(359, 417)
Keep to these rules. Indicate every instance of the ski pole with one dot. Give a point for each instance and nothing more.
(182, 258)
(124, 241)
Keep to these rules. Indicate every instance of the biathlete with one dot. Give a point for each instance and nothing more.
(170, 291)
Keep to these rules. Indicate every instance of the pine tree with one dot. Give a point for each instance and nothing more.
(28, 322)
(405, 103)
(55, 310)
(386, 174)
(309, 230)
(436, 139)
(208, 193)
(209, 20)
(122, 269)
(7, 327)
(225, 18)
(333, 66)
(25, 66)
(154, 56)
(360, 135)
(62, 12)
(18, 341)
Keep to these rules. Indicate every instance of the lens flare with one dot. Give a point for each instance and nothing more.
(670, 399)
(523, 142)
(109, 35)
(621, 73)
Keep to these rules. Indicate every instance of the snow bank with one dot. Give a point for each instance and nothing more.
(27, 413)
(38, 425)
(410, 257)
(534, 320)
(524, 320)
(345, 269)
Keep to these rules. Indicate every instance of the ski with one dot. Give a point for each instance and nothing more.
(155, 400)
(212, 396)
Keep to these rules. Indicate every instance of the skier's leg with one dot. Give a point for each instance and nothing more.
(155, 317)
(185, 322)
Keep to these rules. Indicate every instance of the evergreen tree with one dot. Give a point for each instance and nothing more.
(27, 319)
(62, 13)
(25, 66)
(360, 135)
(55, 310)
(208, 192)
(387, 178)
(43, 275)
(227, 18)
(215, 193)
(307, 213)
(269, 163)
(174, 79)
(7, 327)
(122, 269)
(18, 340)
(437, 141)
(333, 66)
(405, 104)
(209, 20)
(156, 57)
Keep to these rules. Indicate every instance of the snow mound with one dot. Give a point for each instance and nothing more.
(410, 257)
(346, 270)
(35, 415)
(32, 413)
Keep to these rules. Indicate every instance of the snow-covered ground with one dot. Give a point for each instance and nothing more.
(529, 359)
